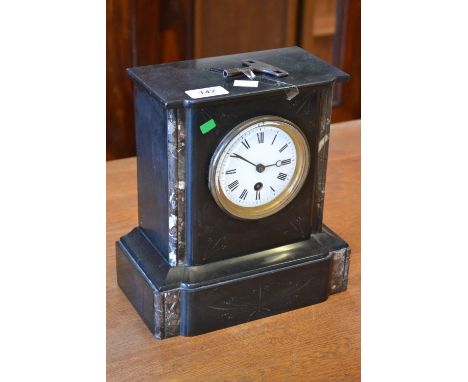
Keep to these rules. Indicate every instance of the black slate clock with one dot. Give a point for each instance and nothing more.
(231, 158)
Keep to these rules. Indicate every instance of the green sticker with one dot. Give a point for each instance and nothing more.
(208, 126)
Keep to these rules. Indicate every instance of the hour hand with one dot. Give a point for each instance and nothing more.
(238, 156)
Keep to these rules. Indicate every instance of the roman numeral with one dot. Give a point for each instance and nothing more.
(272, 189)
(261, 137)
(286, 161)
(231, 171)
(244, 194)
(283, 148)
(282, 176)
(233, 185)
(246, 144)
(257, 195)
(273, 141)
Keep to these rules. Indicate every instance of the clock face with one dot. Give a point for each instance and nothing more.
(259, 167)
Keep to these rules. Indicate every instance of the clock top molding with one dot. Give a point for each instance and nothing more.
(168, 82)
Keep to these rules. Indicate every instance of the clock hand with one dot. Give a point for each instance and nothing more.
(238, 156)
(279, 163)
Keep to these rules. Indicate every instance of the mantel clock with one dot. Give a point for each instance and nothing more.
(231, 163)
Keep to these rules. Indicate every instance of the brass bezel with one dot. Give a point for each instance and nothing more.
(287, 195)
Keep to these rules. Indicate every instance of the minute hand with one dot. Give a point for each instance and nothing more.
(238, 156)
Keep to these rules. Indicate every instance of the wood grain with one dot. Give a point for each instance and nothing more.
(349, 106)
(120, 135)
(318, 27)
(316, 343)
(139, 32)
(227, 27)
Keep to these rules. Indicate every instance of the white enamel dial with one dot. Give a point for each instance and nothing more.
(259, 167)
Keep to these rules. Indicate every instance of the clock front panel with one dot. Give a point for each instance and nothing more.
(252, 189)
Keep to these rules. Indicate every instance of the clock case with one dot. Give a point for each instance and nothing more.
(189, 268)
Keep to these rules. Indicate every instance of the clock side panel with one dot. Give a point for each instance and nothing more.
(152, 169)
(213, 235)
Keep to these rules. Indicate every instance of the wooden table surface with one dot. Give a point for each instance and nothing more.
(316, 343)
